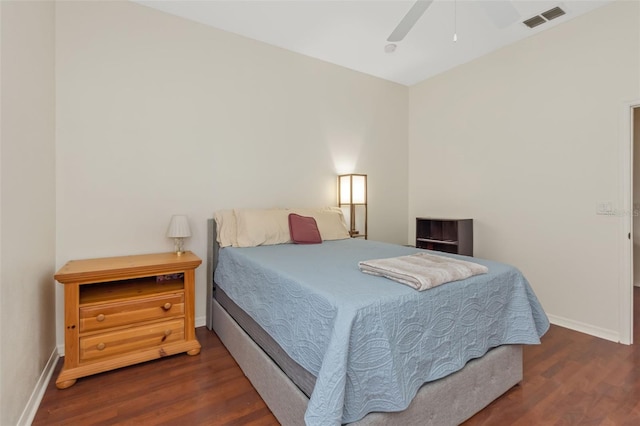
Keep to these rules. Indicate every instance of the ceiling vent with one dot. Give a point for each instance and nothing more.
(552, 13)
(535, 21)
(544, 17)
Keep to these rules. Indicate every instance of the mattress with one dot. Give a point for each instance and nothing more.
(296, 373)
(370, 342)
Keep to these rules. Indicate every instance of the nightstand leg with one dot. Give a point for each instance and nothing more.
(65, 384)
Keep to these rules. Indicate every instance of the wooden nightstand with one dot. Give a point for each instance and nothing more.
(124, 310)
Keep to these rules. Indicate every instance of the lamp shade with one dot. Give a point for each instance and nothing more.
(179, 227)
(359, 188)
(352, 189)
(345, 189)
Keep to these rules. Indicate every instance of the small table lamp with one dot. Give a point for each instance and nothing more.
(178, 230)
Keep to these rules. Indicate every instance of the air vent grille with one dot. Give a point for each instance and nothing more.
(552, 13)
(534, 22)
(544, 17)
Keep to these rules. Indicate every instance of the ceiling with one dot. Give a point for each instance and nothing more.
(353, 33)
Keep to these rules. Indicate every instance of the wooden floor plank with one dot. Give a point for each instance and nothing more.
(570, 379)
(573, 379)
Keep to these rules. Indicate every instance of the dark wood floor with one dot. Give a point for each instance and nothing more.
(571, 379)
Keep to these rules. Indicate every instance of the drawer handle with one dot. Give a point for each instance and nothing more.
(100, 346)
(100, 318)
(166, 306)
(167, 333)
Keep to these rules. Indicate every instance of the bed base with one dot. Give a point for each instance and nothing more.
(448, 401)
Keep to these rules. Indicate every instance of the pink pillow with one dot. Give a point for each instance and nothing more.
(304, 229)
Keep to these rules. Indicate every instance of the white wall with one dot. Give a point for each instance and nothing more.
(525, 141)
(27, 200)
(157, 115)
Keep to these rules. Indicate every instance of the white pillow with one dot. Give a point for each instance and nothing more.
(226, 228)
(258, 227)
(330, 222)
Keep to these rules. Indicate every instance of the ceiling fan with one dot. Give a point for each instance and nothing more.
(502, 13)
(409, 20)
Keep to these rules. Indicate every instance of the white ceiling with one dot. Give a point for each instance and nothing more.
(354, 33)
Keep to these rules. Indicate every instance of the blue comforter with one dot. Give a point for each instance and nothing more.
(372, 342)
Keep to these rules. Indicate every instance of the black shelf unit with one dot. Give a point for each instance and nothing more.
(447, 235)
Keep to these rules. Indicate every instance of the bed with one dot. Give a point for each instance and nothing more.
(345, 352)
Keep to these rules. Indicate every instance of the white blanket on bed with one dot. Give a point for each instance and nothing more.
(422, 271)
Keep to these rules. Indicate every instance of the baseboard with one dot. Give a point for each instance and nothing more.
(602, 333)
(200, 321)
(30, 410)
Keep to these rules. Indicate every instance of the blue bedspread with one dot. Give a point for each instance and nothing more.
(370, 341)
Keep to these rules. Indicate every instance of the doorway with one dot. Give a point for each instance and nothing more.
(635, 213)
(630, 203)
(635, 132)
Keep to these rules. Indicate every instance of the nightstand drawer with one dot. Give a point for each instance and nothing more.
(131, 339)
(107, 315)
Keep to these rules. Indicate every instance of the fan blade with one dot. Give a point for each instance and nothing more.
(409, 20)
(501, 13)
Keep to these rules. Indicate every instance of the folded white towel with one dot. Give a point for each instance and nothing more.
(422, 271)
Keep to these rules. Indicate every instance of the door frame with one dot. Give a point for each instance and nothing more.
(626, 223)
